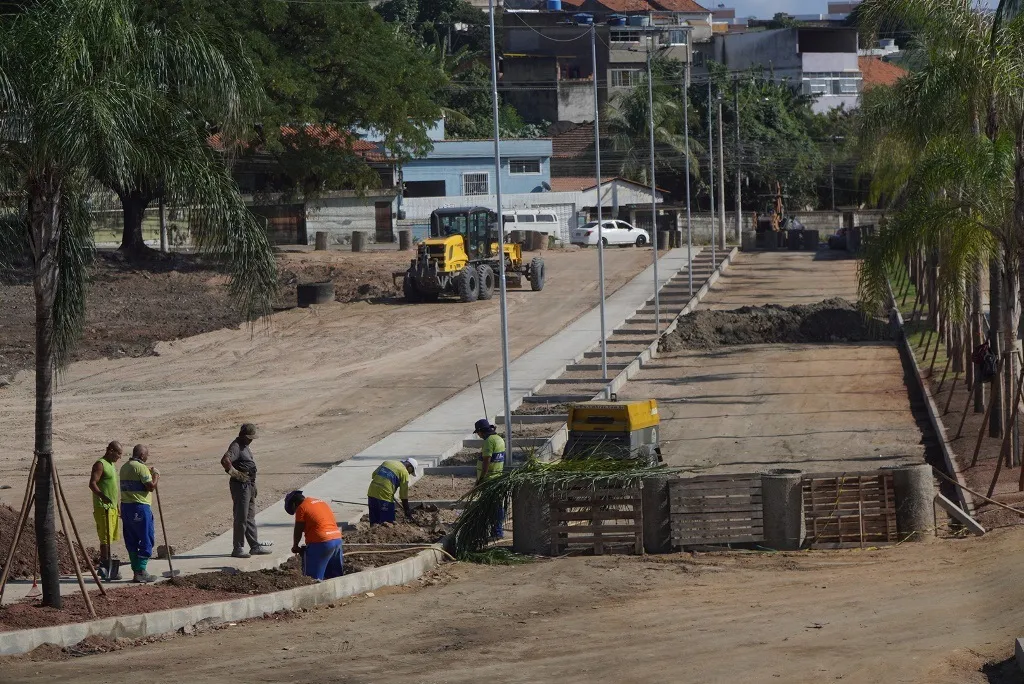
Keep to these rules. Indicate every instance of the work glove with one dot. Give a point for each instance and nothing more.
(238, 475)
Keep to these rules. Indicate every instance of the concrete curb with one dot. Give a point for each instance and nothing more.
(964, 498)
(164, 621)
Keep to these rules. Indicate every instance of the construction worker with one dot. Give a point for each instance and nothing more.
(322, 556)
(390, 477)
(491, 463)
(137, 484)
(240, 466)
(105, 486)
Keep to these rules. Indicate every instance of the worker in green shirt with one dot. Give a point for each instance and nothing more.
(138, 481)
(489, 464)
(388, 478)
(106, 487)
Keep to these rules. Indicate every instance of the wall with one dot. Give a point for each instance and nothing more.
(825, 222)
(829, 61)
(339, 216)
(534, 104)
(575, 101)
(449, 160)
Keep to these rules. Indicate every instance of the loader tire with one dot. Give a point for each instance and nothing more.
(537, 274)
(411, 292)
(486, 278)
(469, 284)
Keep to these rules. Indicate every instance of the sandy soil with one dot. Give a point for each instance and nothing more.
(925, 613)
(816, 407)
(440, 488)
(322, 384)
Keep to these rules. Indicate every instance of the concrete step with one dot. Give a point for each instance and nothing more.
(638, 331)
(533, 420)
(579, 381)
(557, 398)
(520, 442)
(616, 354)
(594, 366)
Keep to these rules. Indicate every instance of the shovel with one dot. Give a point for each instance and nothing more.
(167, 544)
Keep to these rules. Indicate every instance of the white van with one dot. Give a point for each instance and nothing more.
(539, 220)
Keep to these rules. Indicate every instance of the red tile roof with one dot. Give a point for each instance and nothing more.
(644, 5)
(876, 72)
(327, 136)
(574, 142)
(576, 183)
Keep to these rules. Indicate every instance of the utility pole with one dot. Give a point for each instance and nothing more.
(711, 171)
(163, 226)
(721, 172)
(600, 235)
(739, 174)
(503, 294)
(686, 138)
(654, 187)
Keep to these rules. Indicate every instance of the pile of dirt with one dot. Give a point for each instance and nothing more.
(25, 555)
(526, 409)
(288, 576)
(428, 527)
(121, 601)
(833, 320)
(440, 488)
(354, 280)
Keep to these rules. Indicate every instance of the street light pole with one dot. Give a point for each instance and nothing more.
(739, 191)
(686, 139)
(503, 295)
(654, 187)
(600, 218)
(721, 172)
(711, 171)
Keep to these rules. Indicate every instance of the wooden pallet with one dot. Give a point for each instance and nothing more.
(716, 510)
(607, 520)
(844, 510)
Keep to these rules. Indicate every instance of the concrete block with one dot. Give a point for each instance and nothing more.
(782, 499)
(1018, 652)
(914, 490)
(531, 521)
(654, 500)
(960, 515)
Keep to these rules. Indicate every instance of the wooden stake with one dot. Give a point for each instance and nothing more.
(949, 360)
(1006, 436)
(88, 561)
(26, 502)
(963, 418)
(71, 546)
(984, 420)
(952, 389)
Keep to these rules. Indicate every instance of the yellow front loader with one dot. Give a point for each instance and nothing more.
(460, 258)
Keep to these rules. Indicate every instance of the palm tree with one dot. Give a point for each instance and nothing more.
(626, 119)
(956, 191)
(84, 87)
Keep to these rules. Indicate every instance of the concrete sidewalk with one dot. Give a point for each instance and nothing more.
(434, 436)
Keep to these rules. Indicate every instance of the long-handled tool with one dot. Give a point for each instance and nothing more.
(167, 544)
(480, 384)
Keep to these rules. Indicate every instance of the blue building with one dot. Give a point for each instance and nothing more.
(466, 167)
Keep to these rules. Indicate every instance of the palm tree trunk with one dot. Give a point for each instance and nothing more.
(1011, 323)
(133, 209)
(933, 289)
(44, 234)
(995, 306)
(976, 334)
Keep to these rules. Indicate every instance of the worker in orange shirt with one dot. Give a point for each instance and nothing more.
(322, 555)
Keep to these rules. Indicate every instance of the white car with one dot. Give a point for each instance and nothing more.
(613, 232)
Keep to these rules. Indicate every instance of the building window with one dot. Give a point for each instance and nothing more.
(698, 59)
(677, 37)
(625, 36)
(475, 184)
(625, 78)
(832, 83)
(524, 167)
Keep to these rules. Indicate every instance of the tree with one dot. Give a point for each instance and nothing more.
(966, 72)
(83, 82)
(781, 20)
(337, 65)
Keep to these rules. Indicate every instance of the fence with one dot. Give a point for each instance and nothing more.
(597, 520)
(843, 510)
(716, 509)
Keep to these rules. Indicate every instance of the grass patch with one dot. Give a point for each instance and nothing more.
(496, 556)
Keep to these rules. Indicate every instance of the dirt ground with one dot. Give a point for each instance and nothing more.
(24, 562)
(440, 488)
(322, 384)
(916, 613)
(744, 408)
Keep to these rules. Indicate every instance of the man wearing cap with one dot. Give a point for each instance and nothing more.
(106, 487)
(322, 556)
(388, 478)
(240, 466)
(138, 481)
(491, 463)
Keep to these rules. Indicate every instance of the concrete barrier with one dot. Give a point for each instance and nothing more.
(783, 509)
(164, 621)
(914, 491)
(654, 497)
(531, 518)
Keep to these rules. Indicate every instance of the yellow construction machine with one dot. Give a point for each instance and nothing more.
(614, 429)
(460, 258)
